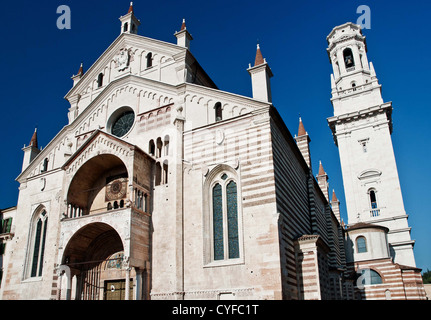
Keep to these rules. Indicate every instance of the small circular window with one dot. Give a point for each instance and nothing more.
(123, 123)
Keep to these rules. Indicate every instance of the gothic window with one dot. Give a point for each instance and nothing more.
(38, 232)
(225, 233)
(348, 58)
(218, 222)
(361, 245)
(126, 27)
(232, 219)
(218, 111)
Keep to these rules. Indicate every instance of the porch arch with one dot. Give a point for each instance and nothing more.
(85, 255)
(86, 190)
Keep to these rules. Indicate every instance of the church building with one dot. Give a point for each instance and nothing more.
(162, 186)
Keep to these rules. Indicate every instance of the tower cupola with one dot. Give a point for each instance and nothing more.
(129, 22)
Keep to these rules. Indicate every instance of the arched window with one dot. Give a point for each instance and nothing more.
(149, 58)
(159, 147)
(361, 245)
(218, 111)
(370, 277)
(375, 211)
(165, 172)
(126, 27)
(166, 145)
(38, 232)
(100, 80)
(151, 148)
(348, 58)
(218, 222)
(45, 165)
(158, 177)
(232, 219)
(225, 233)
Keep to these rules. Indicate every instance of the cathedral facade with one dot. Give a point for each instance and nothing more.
(162, 186)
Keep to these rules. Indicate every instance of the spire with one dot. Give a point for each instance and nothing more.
(322, 180)
(81, 70)
(303, 143)
(335, 205)
(321, 170)
(183, 26)
(334, 196)
(31, 151)
(78, 77)
(33, 141)
(301, 129)
(259, 58)
(131, 8)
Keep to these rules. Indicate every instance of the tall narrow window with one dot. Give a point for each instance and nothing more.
(218, 222)
(218, 111)
(151, 147)
(375, 211)
(45, 165)
(159, 147)
(232, 220)
(149, 57)
(100, 80)
(158, 177)
(126, 27)
(40, 229)
(166, 145)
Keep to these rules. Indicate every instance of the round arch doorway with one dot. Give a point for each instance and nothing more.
(94, 255)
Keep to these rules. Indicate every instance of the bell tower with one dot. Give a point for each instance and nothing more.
(362, 128)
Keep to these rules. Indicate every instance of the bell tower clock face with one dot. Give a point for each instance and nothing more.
(123, 124)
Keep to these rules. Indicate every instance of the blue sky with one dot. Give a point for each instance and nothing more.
(39, 59)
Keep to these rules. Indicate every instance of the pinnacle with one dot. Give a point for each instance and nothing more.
(259, 58)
